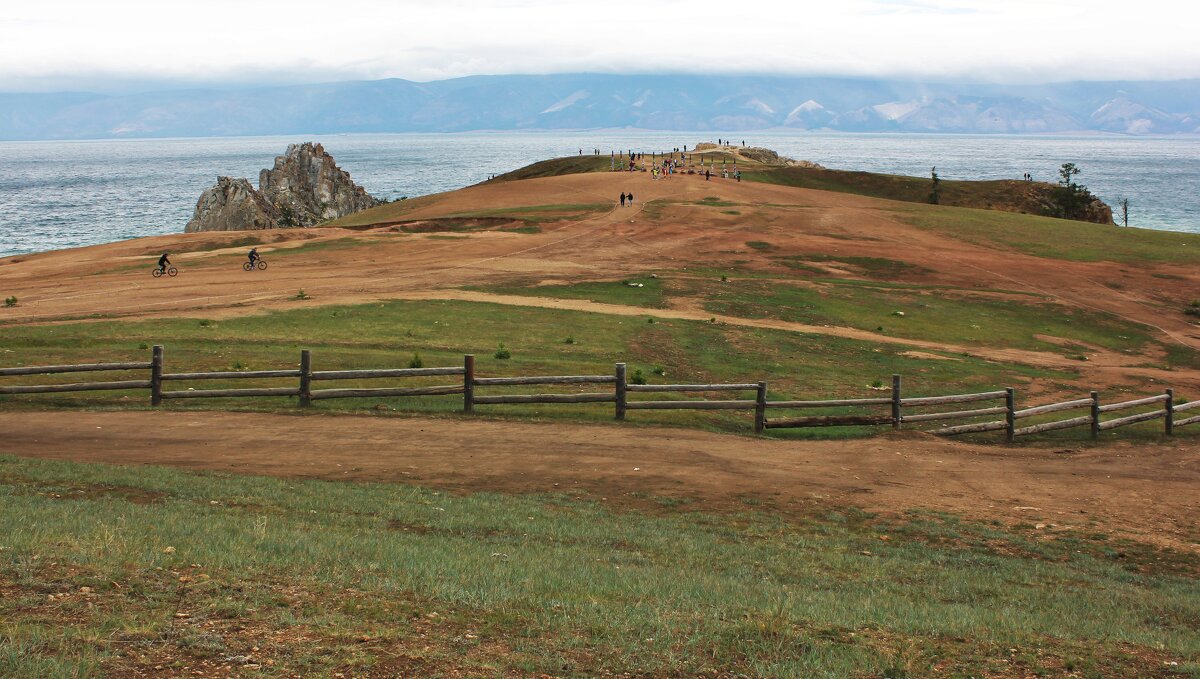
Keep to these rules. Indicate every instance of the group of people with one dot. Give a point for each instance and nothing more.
(253, 256)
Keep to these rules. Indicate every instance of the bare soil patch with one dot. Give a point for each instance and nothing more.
(1150, 492)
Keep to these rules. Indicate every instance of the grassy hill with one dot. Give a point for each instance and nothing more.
(1034, 198)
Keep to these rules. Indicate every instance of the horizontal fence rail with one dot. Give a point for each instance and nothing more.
(893, 406)
(377, 374)
(81, 368)
(691, 387)
(80, 386)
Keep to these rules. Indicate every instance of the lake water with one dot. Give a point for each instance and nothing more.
(66, 194)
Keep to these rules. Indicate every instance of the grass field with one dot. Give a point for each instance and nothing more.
(1058, 238)
(541, 342)
(108, 569)
(967, 318)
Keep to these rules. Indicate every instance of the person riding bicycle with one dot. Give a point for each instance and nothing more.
(163, 263)
(253, 255)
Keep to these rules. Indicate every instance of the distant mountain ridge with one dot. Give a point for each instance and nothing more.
(590, 101)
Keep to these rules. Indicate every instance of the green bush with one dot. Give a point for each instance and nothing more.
(638, 377)
(10, 301)
(502, 353)
(416, 361)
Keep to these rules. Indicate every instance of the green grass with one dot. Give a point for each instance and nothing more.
(1058, 238)
(557, 167)
(311, 578)
(539, 213)
(387, 334)
(650, 295)
(962, 319)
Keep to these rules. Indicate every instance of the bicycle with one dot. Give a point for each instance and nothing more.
(170, 271)
(261, 266)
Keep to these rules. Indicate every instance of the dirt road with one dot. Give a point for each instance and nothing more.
(1148, 491)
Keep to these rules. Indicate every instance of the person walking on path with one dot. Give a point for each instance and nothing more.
(622, 199)
(630, 198)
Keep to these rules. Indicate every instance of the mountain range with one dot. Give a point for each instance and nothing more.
(592, 101)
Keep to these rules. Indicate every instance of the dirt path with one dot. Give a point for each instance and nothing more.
(1027, 357)
(1150, 491)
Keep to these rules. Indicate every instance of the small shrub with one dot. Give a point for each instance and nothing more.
(658, 370)
(302, 294)
(650, 321)
(239, 366)
(502, 353)
(416, 362)
(1192, 309)
(143, 345)
(569, 340)
(638, 377)
(877, 384)
(724, 279)
(10, 301)
(759, 244)
(712, 320)
(204, 323)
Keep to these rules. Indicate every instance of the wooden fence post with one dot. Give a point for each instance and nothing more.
(469, 384)
(895, 401)
(156, 372)
(760, 408)
(621, 391)
(305, 378)
(1010, 414)
(1095, 414)
(1169, 419)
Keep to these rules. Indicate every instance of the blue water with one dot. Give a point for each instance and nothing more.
(66, 194)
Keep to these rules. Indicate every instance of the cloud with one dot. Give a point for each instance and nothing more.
(57, 42)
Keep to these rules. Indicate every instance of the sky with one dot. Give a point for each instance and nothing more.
(127, 45)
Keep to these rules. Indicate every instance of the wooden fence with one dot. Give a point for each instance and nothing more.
(893, 410)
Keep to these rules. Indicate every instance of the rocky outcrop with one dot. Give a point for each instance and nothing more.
(309, 188)
(304, 188)
(232, 205)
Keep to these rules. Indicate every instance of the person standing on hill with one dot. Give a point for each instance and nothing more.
(622, 199)
(707, 174)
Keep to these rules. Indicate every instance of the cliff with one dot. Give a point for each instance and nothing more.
(304, 188)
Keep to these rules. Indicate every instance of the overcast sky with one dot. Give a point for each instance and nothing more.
(123, 44)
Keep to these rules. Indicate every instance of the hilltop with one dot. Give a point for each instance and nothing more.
(764, 165)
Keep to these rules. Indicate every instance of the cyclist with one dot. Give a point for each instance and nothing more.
(163, 263)
(253, 255)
